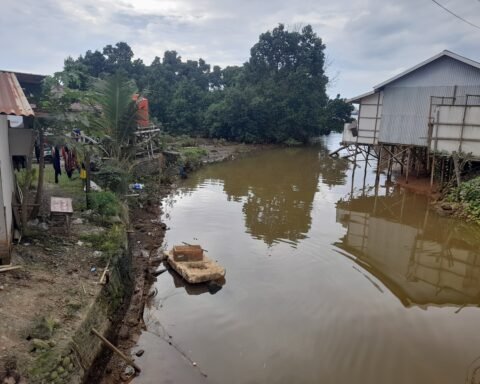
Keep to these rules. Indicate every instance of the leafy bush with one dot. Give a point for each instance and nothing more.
(113, 177)
(468, 194)
(104, 203)
(26, 178)
(192, 157)
(186, 141)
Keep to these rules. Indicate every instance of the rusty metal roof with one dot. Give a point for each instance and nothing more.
(12, 99)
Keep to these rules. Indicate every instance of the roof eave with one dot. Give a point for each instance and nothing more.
(357, 99)
(428, 61)
(13, 101)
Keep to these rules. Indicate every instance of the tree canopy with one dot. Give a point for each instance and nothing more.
(278, 95)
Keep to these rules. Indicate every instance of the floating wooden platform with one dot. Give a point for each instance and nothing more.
(198, 271)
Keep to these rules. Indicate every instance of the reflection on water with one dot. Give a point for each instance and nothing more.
(276, 189)
(329, 280)
(211, 287)
(421, 257)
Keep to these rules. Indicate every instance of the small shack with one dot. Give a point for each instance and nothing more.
(14, 141)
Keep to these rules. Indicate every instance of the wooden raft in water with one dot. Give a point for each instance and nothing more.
(190, 263)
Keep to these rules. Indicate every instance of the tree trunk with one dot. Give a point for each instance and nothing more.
(87, 180)
(41, 173)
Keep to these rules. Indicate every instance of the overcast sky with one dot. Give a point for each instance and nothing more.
(367, 40)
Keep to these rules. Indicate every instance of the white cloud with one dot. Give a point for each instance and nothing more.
(367, 40)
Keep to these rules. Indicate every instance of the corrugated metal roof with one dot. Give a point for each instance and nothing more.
(357, 99)
(445, 53)
(12, 98)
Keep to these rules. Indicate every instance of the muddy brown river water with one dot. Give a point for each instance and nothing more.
(327, 282)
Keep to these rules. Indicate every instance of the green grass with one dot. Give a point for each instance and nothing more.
(193, 156)
(109, 242)
(65, 188)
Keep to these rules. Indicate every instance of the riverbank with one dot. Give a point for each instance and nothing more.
(146, 233)
(54, 297)
(52, 300)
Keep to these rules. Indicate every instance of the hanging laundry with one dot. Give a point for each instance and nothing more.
(56, 163)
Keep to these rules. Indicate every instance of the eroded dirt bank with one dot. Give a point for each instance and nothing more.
(49, 305)
(146, 235)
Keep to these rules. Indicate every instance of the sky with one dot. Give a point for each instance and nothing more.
(368, 41)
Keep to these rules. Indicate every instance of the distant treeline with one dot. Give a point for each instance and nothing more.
(279, 95)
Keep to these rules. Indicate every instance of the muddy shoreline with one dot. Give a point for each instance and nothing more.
(145, 235)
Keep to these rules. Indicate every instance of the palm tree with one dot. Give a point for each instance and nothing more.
(115, 119)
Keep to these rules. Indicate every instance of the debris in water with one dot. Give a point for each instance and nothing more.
(190, 262)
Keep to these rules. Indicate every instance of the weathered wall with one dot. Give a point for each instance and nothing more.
(7, 184)
(406, 104)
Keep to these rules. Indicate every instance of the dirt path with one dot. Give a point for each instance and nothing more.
(43, 303)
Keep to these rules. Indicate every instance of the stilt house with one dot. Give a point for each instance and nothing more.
(433, 106)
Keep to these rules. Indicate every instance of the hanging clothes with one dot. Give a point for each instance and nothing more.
(56, 163)
(70, 161)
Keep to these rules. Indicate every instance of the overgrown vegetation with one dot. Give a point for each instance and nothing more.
(277, 96)
(113, 177)
(109, 242)
(104, 203)
(192, 157)
(468, 195)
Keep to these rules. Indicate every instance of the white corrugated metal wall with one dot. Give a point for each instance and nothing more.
(406, 101)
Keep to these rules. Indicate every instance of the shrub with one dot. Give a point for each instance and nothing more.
(113, 177)
(192, 157)
(468, 193)
(104, 203)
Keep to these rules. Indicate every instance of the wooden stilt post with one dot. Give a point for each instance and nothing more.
(353, 180)
(403, 205)
(457, 168)
(432, 171)
(365, 171)
(408, 165)
(390, 163)
(379, 161)
(442, 171)
(403, 160)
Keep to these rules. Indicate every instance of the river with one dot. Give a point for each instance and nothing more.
(327, 281)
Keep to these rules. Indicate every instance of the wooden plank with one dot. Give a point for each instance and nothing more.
(116, 350)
